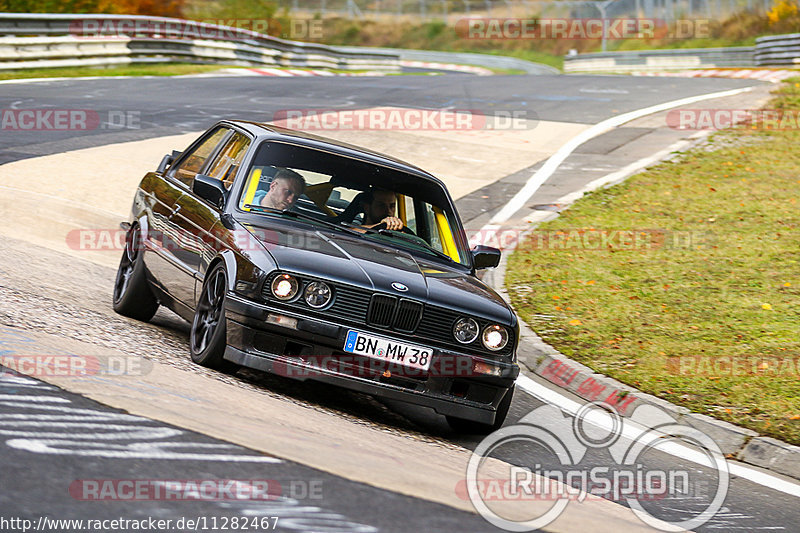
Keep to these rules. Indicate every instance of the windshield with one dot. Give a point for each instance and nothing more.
(332, 190)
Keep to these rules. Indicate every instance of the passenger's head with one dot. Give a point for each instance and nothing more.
(284, 190)
(378, 204)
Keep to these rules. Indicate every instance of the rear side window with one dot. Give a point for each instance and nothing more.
(193, 163)
(227, 162)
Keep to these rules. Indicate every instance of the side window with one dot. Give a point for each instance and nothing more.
(226, 164)
(192, 164)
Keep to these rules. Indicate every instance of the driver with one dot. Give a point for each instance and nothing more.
(379, 207)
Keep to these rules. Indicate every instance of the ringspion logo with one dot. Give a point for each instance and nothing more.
(627, 476)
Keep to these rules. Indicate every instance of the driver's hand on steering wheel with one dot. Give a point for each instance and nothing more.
(393, 223)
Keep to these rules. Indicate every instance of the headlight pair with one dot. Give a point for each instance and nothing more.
(494, 336)
(317, 294)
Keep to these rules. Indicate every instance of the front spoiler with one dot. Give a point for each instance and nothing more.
(246, 320)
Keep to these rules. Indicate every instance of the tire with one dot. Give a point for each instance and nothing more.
(132, 295)
(462, 425)
(208, 338)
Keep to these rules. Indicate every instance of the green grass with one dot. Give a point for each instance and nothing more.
(157, 69)
(536, 56)
(647, 316)
(711, 42)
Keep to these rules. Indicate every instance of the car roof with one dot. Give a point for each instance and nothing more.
(270, 131)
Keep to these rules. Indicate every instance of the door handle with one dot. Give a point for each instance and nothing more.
(174, 212)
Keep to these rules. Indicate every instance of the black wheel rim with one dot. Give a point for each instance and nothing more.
(209, 312)
(127, 264)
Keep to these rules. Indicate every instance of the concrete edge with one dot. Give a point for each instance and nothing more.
(537, 357)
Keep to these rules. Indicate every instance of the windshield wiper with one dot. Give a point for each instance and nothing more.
(260, 208)
(296, 214)
(414, 240)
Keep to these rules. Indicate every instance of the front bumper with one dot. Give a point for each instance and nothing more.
(311, 348)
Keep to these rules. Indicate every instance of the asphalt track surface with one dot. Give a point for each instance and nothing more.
(36, 484)
(176, 105)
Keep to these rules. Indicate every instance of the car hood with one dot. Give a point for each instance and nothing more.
(355, 260)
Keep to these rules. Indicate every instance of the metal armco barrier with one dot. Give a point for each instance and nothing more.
(659, 60)
(778, 50)
(45, 40)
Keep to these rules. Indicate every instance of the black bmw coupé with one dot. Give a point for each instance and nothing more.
(317, 260)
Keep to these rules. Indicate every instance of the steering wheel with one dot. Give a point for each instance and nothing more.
(405, 229)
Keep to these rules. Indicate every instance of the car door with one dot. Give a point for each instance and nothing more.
(168, 266)
(195, 217)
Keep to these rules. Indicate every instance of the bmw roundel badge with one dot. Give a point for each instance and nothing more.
(399, 287)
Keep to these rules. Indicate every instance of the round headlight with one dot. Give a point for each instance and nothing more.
(284, 287)
(317, 294)
(494, 337)
(466, 330)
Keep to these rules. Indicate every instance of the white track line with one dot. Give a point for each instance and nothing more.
(552, 164)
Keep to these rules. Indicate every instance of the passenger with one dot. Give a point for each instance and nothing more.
(284, 190)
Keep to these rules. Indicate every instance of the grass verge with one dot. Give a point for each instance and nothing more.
(703, 309)
(156, 69)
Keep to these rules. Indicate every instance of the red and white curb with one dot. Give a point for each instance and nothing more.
(751, 74)
(290, 72)
(480, 71)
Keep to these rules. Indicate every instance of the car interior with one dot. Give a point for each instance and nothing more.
(330, 198)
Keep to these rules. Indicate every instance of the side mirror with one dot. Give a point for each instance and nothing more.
(485, 257)
(167, 160)
(210, 189)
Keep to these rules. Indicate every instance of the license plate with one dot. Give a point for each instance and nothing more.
(388, 350)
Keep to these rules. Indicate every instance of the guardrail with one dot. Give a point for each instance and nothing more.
(45, 40)
(778, 50)
(660, 60)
